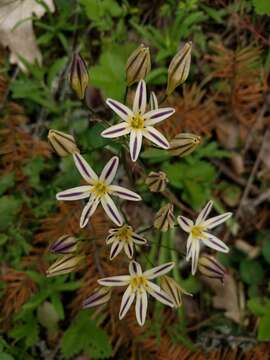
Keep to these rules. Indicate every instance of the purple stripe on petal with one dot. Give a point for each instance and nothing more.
(140, 94)
(70, 194)
(134, 150)
(217, 244)
(126, 194)
(124, 306)
(118, 107)
(82, 165)
(158, 138)
(115, 250)
(113, 213)
(108, 173)
(114, 131)
(162, 113)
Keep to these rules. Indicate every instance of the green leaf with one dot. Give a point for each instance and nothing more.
(27, 330)
(262, 7)
(154, 155)
(83, 335)
(5, 356)
(264, 328)
(9, 208)
(33, 169)
(251, 272)
(258, 308)
(266, 251)
(6, 182)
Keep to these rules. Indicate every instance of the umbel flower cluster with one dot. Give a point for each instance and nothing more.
(135, 124)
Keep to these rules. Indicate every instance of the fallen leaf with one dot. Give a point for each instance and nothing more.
(16, 29)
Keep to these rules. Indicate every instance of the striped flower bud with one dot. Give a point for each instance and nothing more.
(66, 244)
(173, 289)
(164, 219)
(179, 68)
(78, 76)
(210, 267)
(157, 181)
(184, 144)
(64, 265)
(138, 65)
(63, 144)
(100, 296)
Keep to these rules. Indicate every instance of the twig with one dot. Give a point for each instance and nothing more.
(167, 193)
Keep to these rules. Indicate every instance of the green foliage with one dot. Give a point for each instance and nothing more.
(9, 208)
(262, 7)
(83, 335)
(251, 272)
(262, 310)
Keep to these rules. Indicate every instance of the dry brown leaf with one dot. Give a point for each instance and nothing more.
(16, 29)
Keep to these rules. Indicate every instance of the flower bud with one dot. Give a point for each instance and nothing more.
(179, 68)
(66, 244)
(184, 144)
(64, 265)
(100, 296)
(210, 267)
(153, 101)
(78, 76)
(164, 219)
(157, 181)
(63, 144)
(173, 289)
(138, 65)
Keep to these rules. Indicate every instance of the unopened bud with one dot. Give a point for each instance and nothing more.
(63, 144)
(138, 65)
(184, 144)
(179, 68)
(173, 289)
(210, 267)
(78, 76)
(100, 296)
(153, 101)
(157, 181)
(66, 244)
(164, 219)
(64, 265)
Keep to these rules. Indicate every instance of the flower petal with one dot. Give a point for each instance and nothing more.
(126, 302)
(215, 243)
(128, 247)
(110, 238)
(111, 210)
(77, 193)
(99, 297)
(155, 291)
(155, 116)
(158, 270)
(139, 103)
(185, 223)
(116, 248)
(124, 193)
(109, 170)
(88, 211)
(137, 239)
(135, 268)
(156, 137)
(153, 101)
(216, 220)
(141, 306)
(204, 213)
(121, 280)
(195, 251)
(121, 110)
(84, 168)
(116, 131)
(135, 144)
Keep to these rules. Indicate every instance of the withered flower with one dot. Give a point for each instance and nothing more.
(100, 296)
(179, 68)
(78, 76)
(64, 265)
(66, 244)
(184, 144)
(210, 267)
(164, 219)
(138, 65)
(63, 144)
(173, 289)
(157, 181)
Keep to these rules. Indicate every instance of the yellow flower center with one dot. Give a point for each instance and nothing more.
(197, 231)
(100, 188)
(136, 122)
(137, 282)
(124, 233)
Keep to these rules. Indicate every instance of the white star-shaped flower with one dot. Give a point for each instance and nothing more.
(98, 190)
(138, 287)
(199, 232)
(137, 122)
(123, 238)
